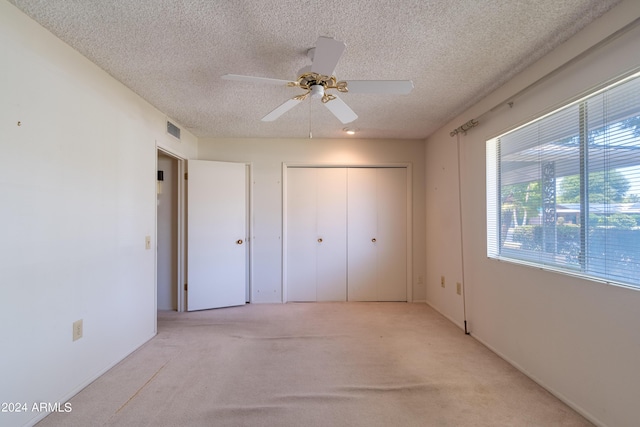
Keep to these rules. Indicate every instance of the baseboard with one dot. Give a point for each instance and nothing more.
(542, 384)
(455, 322)
(84, 384)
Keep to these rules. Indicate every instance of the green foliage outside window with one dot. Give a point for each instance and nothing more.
(610, 190)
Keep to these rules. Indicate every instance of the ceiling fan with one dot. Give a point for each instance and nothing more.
(318, 78)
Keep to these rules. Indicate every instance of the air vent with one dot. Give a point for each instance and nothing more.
(173, 130)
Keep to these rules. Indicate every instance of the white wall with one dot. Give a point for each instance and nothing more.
(578, 338)
(77, 184)
(267, 157)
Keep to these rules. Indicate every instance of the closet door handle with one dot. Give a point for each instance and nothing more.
(373, 240)
(320, 240)
(239, 242)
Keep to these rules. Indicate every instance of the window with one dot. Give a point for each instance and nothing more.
(563, 191)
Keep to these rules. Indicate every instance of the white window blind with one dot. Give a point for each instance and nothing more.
(563, 191)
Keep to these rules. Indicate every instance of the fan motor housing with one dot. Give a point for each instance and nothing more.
(307, 80)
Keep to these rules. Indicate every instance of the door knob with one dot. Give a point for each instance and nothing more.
(320, 240)
(239, 241)
(373, 240)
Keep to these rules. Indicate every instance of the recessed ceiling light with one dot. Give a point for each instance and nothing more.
(350, 131)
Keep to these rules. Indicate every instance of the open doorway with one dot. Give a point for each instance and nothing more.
(171, 232)
(169, 238)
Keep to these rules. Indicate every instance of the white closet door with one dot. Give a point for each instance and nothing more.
(301, 234)
(392, 234)
(377, 234)
(316, 234)
(362, 221)
(331, 273)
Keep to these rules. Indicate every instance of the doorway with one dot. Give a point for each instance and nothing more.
(171, 232)
(169, 252)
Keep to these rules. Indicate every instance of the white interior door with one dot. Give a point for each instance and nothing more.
(377, 224)
(316, 234)
(346, 234)
(301, 234)
(216, 245)
(392, 234)
(331, 252)
(363, 233)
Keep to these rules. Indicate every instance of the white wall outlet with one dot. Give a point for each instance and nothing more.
(459, 288)
(147, 242)
(77, 330)
(420, 280)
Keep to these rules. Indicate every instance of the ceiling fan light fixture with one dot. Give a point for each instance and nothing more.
(350, 131)
(317, 91)
(318, 79)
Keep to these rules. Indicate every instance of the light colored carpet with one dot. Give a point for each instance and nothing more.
(316, 364)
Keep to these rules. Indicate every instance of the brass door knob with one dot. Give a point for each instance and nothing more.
(239, 241)
(373, 240)
(320, 240)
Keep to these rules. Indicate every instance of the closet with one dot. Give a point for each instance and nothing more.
(317, 234)
(346, 234)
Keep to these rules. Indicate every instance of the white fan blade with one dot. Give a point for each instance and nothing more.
(341, 110)
(252, 79)
(325, 58)
(288, 105)
(392, 87)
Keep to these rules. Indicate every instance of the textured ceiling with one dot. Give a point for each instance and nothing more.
(173, 53)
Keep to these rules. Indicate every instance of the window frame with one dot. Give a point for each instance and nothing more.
(494, 198)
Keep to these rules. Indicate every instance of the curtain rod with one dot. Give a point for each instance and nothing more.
(509, 101)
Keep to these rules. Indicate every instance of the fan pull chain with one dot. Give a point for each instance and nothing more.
(310, 135)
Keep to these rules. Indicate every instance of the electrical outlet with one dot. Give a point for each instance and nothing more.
(147, 242)
(420, 280)
(77, 330)
(459, 288)
(442, 281)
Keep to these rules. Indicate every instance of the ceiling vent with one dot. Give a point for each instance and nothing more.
(173, 129)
